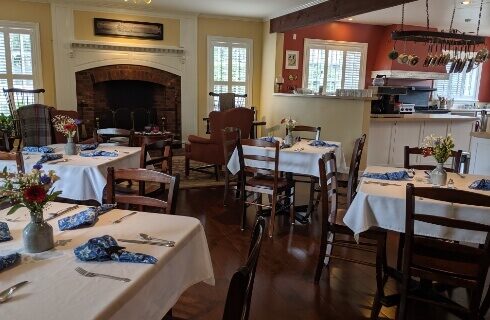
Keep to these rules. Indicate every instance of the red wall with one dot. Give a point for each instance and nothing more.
(379, 43)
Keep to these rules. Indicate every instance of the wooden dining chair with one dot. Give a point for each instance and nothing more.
(301, 128)
(143, 175)
(157, 154)
(231, 138)
(445, 262)
(260, 179)
(13, 156)
(372, 241)
(239, 295)
(456, 155)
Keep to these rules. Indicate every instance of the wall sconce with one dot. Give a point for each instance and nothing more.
(291, 77)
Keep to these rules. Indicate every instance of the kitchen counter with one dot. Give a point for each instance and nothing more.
(321, 96)
(416, 117)
(481, 135)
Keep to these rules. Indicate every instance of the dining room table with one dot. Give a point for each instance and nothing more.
(56, 291)
(82, 178)
(381, 204)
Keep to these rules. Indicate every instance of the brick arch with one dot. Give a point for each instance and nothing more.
(167, 105)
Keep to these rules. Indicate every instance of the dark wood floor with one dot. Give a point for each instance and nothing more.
(284, 287)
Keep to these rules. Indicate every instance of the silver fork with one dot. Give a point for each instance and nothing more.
(86, 273)
(124, 217)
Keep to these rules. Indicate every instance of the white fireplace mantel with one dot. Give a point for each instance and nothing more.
(75, 55)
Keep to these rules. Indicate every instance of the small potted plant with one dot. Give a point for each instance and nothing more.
(289, 123)
(33, 191)
(68, 127)
(440, 148)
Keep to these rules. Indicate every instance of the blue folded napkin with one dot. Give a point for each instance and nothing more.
(98, 153)
(49, 157)
(4, 232)
(105, 248)
(482, 184)
(84, 218)
(9, 260)
(38, 149)
(398, 175)
(91, 146)
(321, 143)
(269, 139)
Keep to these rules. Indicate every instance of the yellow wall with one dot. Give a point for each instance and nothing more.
(222, 27)
(84, 28)
(39, 13)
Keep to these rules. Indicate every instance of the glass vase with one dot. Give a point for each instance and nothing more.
(38, 234)
(289, 139)
(70, 147)
(438, 176)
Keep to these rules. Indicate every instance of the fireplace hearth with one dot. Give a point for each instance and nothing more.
(129, 97)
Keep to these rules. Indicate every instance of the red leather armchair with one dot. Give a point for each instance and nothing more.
(210, 150)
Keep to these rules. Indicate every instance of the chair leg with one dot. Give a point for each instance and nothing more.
(399, 259)
(244, 209)
(217, 169)
(187, 165)
(273, 215)
(227, 187)
(380, 266)
(292, 210)
(376, 308)
(312, 195)
(321, 260)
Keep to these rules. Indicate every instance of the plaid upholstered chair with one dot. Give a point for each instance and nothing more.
(35, 125)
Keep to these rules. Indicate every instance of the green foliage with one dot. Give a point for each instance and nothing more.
(6, 124)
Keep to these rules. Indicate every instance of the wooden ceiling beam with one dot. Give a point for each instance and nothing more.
(329, 11)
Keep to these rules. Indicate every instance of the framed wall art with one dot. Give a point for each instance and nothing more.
(292, 58)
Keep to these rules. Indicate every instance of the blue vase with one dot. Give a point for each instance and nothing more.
(38, 234)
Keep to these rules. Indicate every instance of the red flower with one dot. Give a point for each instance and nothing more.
(35, 194)
(70, 127)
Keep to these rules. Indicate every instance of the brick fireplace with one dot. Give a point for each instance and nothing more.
(125, 95)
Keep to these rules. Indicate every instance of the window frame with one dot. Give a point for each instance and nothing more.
(476, 89)
(248, 44)
(334, 45)
(32, 28)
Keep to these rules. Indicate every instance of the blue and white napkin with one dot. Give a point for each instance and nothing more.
(105, 248)
(98, 153)
(85, 218)
(321, 143)
(38, 149)
(482, 184)
(398, 175)
(4, 232)
(9, 260)
(269, 139)
(90, 146)
(49, 157)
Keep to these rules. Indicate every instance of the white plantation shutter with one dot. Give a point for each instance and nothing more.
(229, 66)
(460, 86)
(343, 63)
(17, 58)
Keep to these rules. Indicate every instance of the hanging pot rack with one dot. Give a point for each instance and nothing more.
(438, 37)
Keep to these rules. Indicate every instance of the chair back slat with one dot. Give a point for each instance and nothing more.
(262, 163)
(258, 158)
(452, 223)
(143, 175)
(239, 295)
(456, 155)
(328, 188)
(355, 163)
(160, 152)
(302, 128)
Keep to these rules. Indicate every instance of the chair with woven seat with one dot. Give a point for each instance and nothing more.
(455, 155)
(231, 138)
(445, 262)
(332, 226)
(239, 295)
(140, 200)
(210, 151)
(263, 178)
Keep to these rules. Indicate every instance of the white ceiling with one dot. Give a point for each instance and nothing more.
(440, 12)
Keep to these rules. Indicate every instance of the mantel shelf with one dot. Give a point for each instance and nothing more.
(80, 44)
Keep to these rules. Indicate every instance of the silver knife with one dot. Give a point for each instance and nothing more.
(62, 212)
(153, 243)
(11, 289)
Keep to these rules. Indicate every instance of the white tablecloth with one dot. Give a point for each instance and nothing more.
(301, 158)
(55, 291)
(83, 178)
(384, 207)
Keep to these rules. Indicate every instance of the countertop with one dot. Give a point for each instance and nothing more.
(481, 135)
(420, 117)
(320, 96)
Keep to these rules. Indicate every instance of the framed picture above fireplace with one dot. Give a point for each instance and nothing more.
(128, 29)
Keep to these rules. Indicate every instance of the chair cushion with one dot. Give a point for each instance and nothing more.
(267, 182)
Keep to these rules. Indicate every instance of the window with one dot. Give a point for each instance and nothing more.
(460, 86)
(229, 67)
(19, 58)
(334, 65)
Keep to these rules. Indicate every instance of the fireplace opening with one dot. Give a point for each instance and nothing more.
(129, 97)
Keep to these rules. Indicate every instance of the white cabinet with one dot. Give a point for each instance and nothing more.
(380, 143)
(406, 134)
(480, 155)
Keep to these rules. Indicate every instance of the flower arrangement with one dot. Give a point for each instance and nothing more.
(31, 190)
(289, 122)
(66, 125)
(438, 147)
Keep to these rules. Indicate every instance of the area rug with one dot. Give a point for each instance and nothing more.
(195, 179)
